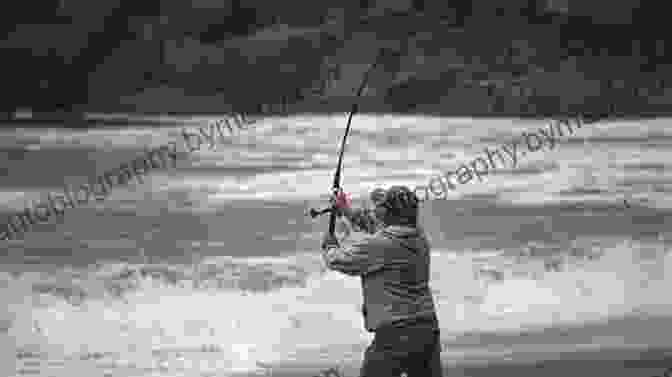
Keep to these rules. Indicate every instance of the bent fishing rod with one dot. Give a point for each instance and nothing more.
(337, 175)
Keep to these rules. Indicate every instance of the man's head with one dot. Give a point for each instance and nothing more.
(397, 205)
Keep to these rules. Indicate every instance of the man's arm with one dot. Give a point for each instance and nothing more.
(362, 220)
(354, 260)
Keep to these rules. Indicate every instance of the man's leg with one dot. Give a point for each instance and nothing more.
(413, 350)
(428, 361)
(379, 360)
(434, 360)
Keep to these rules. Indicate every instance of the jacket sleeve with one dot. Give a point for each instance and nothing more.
(362, 220)
(358, 259)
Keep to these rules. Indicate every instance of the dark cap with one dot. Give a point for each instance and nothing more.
(399, 200)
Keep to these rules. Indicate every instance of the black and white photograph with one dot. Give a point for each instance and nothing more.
(351, 188)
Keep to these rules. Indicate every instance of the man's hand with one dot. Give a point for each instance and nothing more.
(341, 200)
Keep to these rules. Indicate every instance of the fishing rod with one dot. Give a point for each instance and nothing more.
(337, 175)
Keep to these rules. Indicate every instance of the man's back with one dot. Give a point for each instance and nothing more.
(396, 287)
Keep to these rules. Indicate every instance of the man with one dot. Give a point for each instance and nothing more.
(393, 263)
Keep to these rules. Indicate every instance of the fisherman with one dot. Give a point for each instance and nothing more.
(393, 262)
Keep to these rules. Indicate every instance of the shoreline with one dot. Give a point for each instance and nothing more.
(122, 116)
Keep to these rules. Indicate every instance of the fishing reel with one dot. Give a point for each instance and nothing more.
(319, 212)
(340, 228)
(314, 212)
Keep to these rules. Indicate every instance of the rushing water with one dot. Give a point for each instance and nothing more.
(213, 265)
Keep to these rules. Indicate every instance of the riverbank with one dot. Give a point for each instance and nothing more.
(184, 111)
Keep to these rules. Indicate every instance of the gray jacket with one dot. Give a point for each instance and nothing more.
(394, 267)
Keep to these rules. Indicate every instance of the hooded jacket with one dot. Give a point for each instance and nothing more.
(393, 264)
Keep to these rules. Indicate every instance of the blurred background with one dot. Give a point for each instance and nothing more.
(457, 57)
